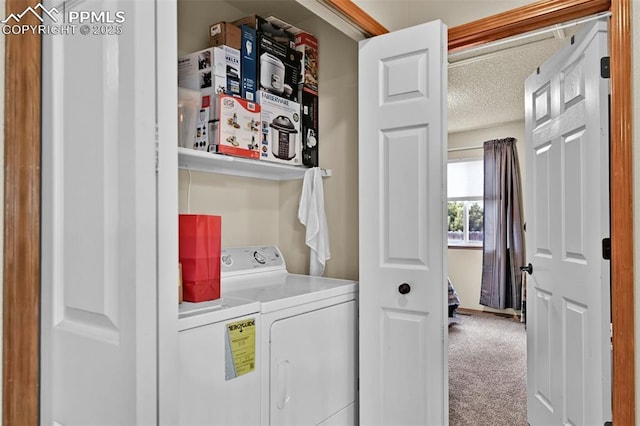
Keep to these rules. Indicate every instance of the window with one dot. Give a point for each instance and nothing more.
(465, 179)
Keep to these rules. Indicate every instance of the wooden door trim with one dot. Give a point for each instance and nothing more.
(530, 17)
(621, 183)
(22, 190)
(21, 289)
(358, 17)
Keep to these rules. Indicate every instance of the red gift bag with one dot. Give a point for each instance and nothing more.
(199, 253)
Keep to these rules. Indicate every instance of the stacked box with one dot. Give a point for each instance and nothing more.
(204, 139)
(227, 66)
(280, 140)
(211, 71)
(238, 129)
(278, 68)
(309, 128)
(268, 60)
(271, 30)
(249, 67)
(224, 34)
(308, 45)
(195, 71)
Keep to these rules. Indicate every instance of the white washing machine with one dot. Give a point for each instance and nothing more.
(219, 363)
(308, 338)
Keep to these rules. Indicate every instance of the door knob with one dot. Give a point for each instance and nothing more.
(528, 269)
(404, 288)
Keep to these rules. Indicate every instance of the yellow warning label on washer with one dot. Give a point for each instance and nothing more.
(240, 348)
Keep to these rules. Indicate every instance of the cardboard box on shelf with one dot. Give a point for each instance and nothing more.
(204, 139)
(189, 103)
(224, 33)
(279, 68)
(308, 46)
(238, 129)
(268, 65)
(196, 70)
(248, 57)
(309, 128)
(227, 64)
(211, 71)
(262, 26)
(280, 140)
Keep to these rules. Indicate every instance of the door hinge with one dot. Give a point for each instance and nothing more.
(608, 423)
(156, 148)
(611, 335)
(605, 67)
(606, 248)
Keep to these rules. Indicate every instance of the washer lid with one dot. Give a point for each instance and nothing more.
(197, 314)
(293, 290)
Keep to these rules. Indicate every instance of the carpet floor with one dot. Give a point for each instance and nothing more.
(487, 371)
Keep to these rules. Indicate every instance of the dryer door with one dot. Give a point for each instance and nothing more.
(313, 369)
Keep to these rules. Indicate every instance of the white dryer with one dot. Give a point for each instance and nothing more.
(309, 339)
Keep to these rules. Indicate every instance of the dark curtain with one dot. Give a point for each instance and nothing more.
(503, 251)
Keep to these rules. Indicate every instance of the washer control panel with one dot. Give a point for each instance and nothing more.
(245, 259)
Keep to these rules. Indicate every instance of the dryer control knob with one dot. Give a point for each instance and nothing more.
(227, 260)
(259, 257)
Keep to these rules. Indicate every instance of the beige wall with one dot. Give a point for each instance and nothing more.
(264, 212)
(338, 100)
(465, 265)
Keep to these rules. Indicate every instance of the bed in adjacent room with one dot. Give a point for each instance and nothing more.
(454, 300)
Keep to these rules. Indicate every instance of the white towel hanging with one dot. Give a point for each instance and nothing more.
(312, 215)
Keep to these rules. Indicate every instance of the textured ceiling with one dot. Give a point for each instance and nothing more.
(488, 89)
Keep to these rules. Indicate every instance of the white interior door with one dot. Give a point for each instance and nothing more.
(99, 282)
(568, 297)
(402, 157)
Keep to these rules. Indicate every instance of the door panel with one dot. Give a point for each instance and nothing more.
(574, 350)
(541, 385)
(402, 329)
(541, 203)
(402, 131)
(573, 171)
(405, 154)
(99, 283)
(569, 355)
